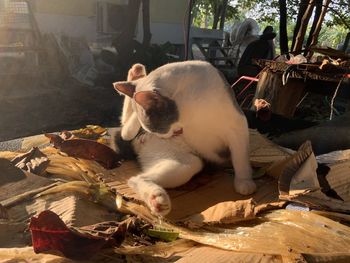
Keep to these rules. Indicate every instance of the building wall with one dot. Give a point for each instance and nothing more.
(73, 26)
(168, 11)
(167, 20)
(78, 18)
(65, 7)
(161, 11)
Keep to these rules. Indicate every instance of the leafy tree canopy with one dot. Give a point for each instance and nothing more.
(268, 11)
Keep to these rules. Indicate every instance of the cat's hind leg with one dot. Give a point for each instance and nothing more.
(164, 173)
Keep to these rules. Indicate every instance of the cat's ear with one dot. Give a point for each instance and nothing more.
(125, 87)
(147, 99)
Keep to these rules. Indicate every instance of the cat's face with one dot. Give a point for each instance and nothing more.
(156, 113)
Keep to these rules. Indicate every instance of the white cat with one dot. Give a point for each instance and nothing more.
(188, 114)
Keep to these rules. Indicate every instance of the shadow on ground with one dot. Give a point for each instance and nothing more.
(30, 106)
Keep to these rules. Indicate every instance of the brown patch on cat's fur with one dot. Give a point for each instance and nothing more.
(160, 111)
(149, 99)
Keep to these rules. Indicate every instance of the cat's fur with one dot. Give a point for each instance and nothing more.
(188, 114)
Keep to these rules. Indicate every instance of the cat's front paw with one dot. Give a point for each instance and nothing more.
(245, 186)
(159, 202)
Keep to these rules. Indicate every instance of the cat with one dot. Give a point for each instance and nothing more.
(177, 117)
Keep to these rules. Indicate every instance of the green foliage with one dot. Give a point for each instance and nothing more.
(203, 10)
(332, 35)
(268, 11)
(335, 27)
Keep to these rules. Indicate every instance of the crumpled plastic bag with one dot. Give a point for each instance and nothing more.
(298, 59)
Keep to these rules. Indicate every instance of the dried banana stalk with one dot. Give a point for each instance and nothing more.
(8, 155)
(65, 172)
(277, 224)
(76, 169)
(160, 249)
(12, 201)
(96, 192)
(75, 186)
(66, 167)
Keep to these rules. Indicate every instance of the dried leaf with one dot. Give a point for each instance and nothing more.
(49, 232)
(92, 132)
(225, 212)
(33, 161)
(87, 149)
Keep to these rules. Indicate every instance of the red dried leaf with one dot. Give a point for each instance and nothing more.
(49, 232)
(87, 149)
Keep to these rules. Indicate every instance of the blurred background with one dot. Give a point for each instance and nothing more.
(59, 58)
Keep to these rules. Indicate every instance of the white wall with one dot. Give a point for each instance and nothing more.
(162, 33)
(76, 26)
(80, 26)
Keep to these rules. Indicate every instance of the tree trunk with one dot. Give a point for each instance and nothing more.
(318, 11)
(223, 14)
(146, 23)
(302, 8)
(315, 34)
(302, 30)
(216, 13)
(283, 27)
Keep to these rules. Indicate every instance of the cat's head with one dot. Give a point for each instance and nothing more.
(156, 113)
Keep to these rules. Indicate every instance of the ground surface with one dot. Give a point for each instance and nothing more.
(30, 106)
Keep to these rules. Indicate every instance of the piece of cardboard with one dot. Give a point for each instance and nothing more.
(206, 254)
(299, 182)
(264, 152)
(14, 181)
(218, 188)
(214, 192)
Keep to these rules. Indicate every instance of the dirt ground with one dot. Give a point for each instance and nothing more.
(30, 106)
